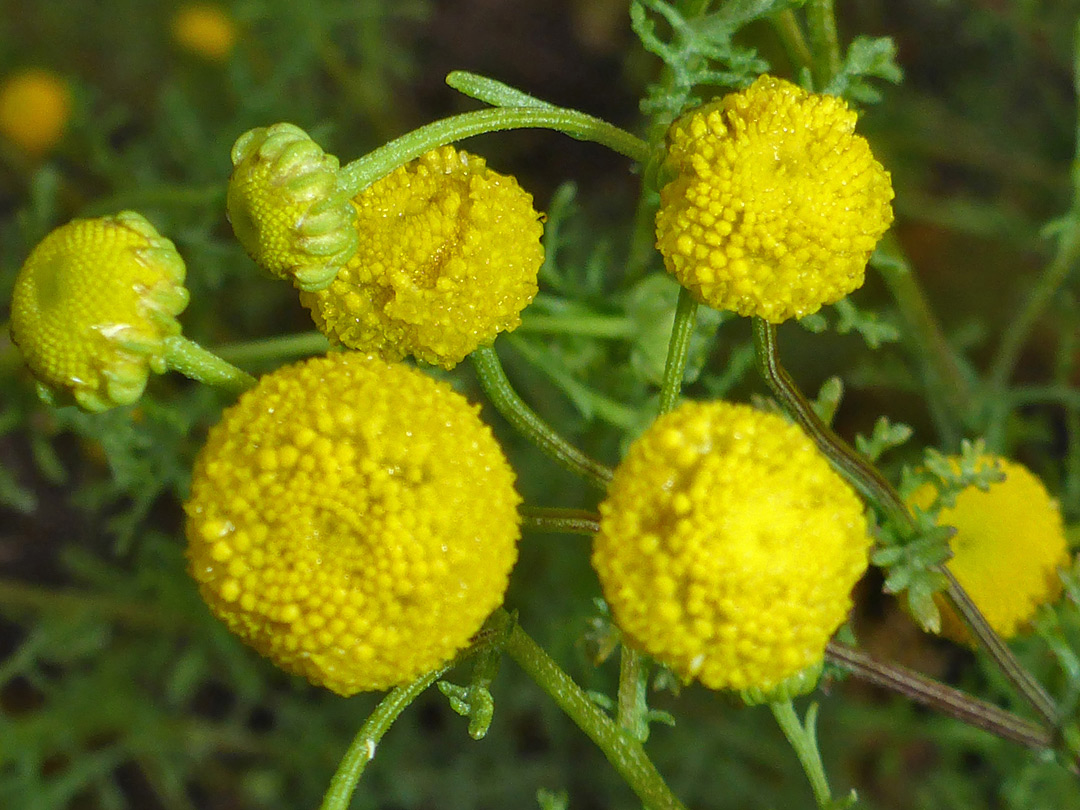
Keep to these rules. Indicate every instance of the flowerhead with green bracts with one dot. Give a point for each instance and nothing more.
(728, 547)
(1007, 549)
(448, 256)
(352, 520)
(775, 204)
(93, 306)
(286, 207)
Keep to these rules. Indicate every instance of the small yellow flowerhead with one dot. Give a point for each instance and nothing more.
(93, 305)
(728, 547)
(204, 30)
(1008, 545)
(34, 109)
(352, 520)
(776, 203)
(286, 208)
(448, 257)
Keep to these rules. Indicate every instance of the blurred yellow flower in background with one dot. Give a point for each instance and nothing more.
(35, 106)
(205, 30)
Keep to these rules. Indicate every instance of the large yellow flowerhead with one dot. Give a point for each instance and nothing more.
(728, 547)
(776, 203)
(1008, 546)
(286, 207)
(93, 306)
(34, 109)
(448, 257)
(352, 520)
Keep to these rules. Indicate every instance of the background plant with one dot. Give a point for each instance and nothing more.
(118, 689)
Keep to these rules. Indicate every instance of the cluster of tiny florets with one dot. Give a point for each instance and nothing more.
(728, 546)
(1008, 547)
(352, 520)
(93, 306)
(776, 203)
(286, 207)
(448, 257)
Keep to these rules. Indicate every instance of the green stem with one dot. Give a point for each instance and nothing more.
(865, 478)
(621, 750)
(939, 697)
(192, 360)
(557, 520)
(283, 347)
(362, 172)
(803, 739)
(362, 750)
(682, 329)
(791, 36)
(824, 42)
(529, 424)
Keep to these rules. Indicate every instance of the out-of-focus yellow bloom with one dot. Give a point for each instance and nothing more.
(286, 208)
(205, 30)
(448, 256)
(352, 520)
(776, 203)
(93, 305)
(728, 547)
(34, 109)
(1008, 547)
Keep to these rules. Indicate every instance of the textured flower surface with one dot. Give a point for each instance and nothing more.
(728, 547)
(34, 109)
(205, 30)
(776, 203)
(448, 257)
(93, 305)
(1008, 545)
(286, 208)
(353, 521)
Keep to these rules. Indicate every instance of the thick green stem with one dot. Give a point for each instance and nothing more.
(529, 424)
(192, 360)
(362, 172)
(824, 41)
(786, 25)
(803, 739)
(621, 750)
(682, 329)
(283, 347)
(557, 520)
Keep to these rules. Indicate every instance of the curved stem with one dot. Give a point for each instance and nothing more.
(791, 37)
(621, 750)
(362, 751)
(682, 329)
(361, 173)
(282, 347)
(192, 360)
(529, 424)
(939, 697)
(559, 521)
(803, 739)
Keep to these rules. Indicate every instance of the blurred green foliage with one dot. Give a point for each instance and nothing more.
(117, 688)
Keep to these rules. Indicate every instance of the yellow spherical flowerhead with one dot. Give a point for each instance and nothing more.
(776, 203)
(728, 547)
(205, 30)
(34, 109)
(1008, 546)
(286, 207)
(352, 520)
(93, 305)
(448, 257)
